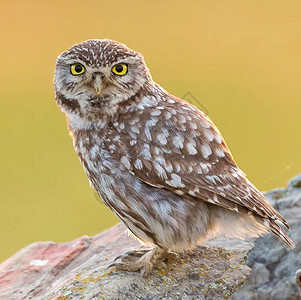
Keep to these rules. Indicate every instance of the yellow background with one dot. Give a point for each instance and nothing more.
(240, 59)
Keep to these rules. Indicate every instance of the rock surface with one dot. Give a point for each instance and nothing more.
(78, 269)
(274, 266)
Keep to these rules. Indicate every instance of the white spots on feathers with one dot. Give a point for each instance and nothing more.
(178, 141)
(94, 151)
(204, 167)
(138, 164)
(192, 142)
(135, 129)
(209, 135)
(235, 175)
(132, 134)
(179, 192)
(147, 101)
(161, 161)
(215, 199)
(190, 149)
(160, 171)
(218, 139)
(146, 152)
(210, 201)
(149, 123)
(158, 151)
(166, 150)
(205, 124)
(206, 150)
(219, 152)
(155, 113)
(126, 162)
(175, 181)
(162, 139)
(167, 115)
(196, 190)
(112, 148)
(169, 167)
(173, 111)
(116, 138)
(193, 125)
(181, 119)
(212, 178)
(133, 142)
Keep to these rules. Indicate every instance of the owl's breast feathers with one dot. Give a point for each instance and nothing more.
(168, 143)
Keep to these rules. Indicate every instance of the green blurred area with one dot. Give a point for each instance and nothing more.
(240, 59)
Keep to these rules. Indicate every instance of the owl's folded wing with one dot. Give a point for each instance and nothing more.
(178, 148)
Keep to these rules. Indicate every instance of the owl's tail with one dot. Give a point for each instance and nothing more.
(275, 227)
(246, 223)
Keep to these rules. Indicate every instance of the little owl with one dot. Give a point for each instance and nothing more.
(158, 162)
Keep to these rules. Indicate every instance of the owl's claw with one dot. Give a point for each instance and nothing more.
(133, 253)
(144, 260)
(111, 266)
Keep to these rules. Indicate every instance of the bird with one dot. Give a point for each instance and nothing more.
(158, 162)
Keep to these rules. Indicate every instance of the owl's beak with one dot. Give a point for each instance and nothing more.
(97, 83)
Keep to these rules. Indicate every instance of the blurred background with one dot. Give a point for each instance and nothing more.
(241, 60)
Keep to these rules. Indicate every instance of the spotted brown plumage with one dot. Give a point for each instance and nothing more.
(157, 161)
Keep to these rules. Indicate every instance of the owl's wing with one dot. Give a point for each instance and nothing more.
(175, 146)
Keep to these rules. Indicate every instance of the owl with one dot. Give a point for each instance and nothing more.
(158, 162)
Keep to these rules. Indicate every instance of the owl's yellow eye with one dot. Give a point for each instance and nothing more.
(77, 69)
(120, 69)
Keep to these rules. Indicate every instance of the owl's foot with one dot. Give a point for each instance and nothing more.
(144, 260)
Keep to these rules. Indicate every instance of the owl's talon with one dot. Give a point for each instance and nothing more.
(130, 256)
(141, 260)
(111, 265)
(118, 257)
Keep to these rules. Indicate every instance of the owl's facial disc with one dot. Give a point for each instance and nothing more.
(99, 73)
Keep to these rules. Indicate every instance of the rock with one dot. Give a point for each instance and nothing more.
(262, 275)
(295, 182)
(271, 258)
(78, 269)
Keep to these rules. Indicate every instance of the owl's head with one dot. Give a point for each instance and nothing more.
(98, 73)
